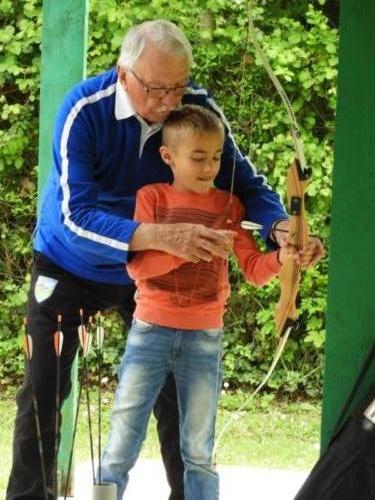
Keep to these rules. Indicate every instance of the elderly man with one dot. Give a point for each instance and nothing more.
(105, 147)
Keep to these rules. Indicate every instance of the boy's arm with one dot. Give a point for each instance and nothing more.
(150, 263)
(258, 267)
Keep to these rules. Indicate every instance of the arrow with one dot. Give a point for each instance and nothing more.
(99, 343)
(58, 340)
(85, 338)
(28, 350)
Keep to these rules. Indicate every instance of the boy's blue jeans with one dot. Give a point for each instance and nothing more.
(194, 357)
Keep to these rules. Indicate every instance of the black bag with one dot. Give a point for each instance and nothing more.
(346, 471)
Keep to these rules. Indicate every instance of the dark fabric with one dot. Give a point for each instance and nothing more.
(346, 471)
(352, 398)
(71, 294)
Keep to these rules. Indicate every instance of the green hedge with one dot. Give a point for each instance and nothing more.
(301, 43)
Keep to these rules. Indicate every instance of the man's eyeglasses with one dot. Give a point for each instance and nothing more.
(178, 91)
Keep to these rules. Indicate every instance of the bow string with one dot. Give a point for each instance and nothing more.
(289, 275)
(296, 182)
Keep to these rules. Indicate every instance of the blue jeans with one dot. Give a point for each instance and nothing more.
(194, 357)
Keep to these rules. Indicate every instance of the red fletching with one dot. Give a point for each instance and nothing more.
(58, 340)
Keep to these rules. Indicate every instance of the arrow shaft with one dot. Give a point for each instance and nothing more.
(36, 416)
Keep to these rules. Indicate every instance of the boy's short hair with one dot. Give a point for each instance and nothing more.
(194, 118)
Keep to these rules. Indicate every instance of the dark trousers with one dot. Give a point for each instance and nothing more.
(69, 296)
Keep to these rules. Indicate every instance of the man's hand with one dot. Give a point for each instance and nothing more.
(227, 239)
(192, 242)
(306, 257)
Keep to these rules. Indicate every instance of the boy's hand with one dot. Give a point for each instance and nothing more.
(288, 251)
(306, 257)
(312, 253)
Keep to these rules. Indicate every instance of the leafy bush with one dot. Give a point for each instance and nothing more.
(302, 47)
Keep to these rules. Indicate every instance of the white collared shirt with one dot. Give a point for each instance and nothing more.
(124, 109)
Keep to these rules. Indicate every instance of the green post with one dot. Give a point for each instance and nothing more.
(63, 64)
(351, 290)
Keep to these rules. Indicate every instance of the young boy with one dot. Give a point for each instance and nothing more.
(178, 320)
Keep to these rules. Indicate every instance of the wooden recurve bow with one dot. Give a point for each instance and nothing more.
(290, 274)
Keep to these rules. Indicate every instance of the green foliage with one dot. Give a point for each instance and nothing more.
(302, 47)
(20, 31)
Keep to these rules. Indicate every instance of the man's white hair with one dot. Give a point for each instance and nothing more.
(164, 34)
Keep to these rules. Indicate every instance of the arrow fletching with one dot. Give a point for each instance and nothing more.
(88, 344)
(58, 339)
(85, 339)
(28, 346)
(99, 336)
(82, 334)
(250, 226)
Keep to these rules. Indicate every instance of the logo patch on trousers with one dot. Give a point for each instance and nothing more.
(44, 288)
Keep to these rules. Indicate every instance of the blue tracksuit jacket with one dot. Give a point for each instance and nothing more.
(102, 154)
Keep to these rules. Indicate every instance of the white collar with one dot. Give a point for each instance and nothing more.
(124, 109)
(123, 106)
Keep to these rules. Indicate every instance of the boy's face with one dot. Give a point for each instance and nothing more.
(194, 158)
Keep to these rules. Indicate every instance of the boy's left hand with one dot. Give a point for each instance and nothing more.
(312, 253)
(306, 257)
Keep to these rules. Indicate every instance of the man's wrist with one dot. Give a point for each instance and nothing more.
(275, 229)
(144, 237)
(152, 236)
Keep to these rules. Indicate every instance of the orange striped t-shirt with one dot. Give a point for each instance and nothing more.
(180, 294)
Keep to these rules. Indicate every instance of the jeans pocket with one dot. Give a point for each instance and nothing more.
(212, 334)
(138, 325)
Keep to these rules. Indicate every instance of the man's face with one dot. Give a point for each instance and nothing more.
(155, 69)
(194, 158)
